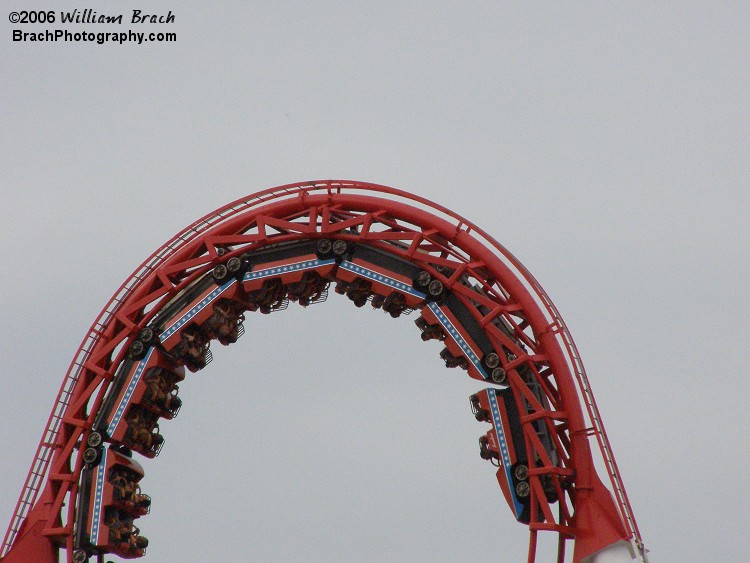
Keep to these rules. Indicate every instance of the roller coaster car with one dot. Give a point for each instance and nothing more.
(110, 502)
(392, 281)
(288, 263)
(505, 447)
(194, 306)
(467, 348)
(150, 385)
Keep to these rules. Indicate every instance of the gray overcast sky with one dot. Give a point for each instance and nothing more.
(605, 145)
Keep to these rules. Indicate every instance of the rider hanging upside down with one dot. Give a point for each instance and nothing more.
(309, 289)
(161, 391)
(127, 493)
(143, 430)
(193, 347)
(226, 321)
(124, 535)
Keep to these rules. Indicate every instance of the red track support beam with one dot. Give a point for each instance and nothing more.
(417, 231)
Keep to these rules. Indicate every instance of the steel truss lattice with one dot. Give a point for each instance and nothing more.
(405, 225)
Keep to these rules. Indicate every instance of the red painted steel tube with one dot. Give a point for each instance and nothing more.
(598, 521)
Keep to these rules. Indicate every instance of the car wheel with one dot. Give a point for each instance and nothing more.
(146, 335)
(435, 289)
(220, 272)
(94, 440)
(423, 279)
(523, 489)
(498, 376)
(339, 247)
(90, 455)
(521, 472)
(137, 350)
(324, 246)
(492, 360)
(234, 264)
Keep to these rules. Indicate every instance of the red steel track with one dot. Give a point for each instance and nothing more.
(415, 230)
